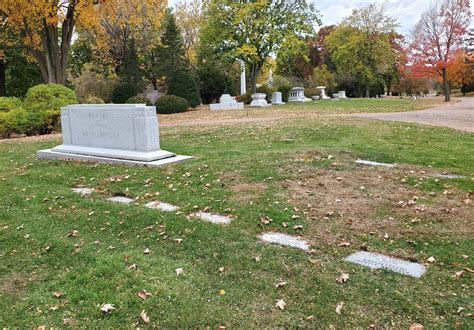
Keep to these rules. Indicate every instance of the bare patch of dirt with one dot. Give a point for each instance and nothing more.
(247, 192)
(353, 205)
(14, 284)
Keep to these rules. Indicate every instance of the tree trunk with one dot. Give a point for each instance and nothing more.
(254, 71)
(367, 92)
(447, 92)
(3, 83)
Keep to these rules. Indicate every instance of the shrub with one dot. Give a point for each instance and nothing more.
(171, 104)
(92, 84)
(139, 99)
(283, 85)
(183, 84)
(123, 91)
(91, 99)
(9, 103)
(309, 92)
(246, 98)
(212, 83)
(14, 121)
(43, 104)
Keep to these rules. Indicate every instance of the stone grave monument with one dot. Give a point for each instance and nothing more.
(259, 101)
(340, 95)
(297, 95)
(322, 95)
(111, 133)
(277, 98)
(227, 102)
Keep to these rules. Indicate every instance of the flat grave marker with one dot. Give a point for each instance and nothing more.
(283, 239)
(371, 163)
(162, 206)
(83, 191)
(121, 199)
(380, 261)
(214, 218)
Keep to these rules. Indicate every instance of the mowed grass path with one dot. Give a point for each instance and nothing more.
(283, 172)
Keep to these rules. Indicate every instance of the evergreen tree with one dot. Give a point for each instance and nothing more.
(173, 65)
(131, 79)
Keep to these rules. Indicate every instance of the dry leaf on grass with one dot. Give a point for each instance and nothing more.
(73, 233)
(280, 285)
(416, 326)
(345, 244)
(339, 308)
(106, 308)
(57, 294)
(431, 260)
(179, 271)
(147, 251)
(280, 304)
(144, 317)
(143, 294)
(343, 278)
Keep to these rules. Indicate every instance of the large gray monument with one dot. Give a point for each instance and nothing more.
(111, 133)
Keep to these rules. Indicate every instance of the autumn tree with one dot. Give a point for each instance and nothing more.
(189, 19)
(46, 29)
(252, 30)
(300, 61)
(437, 36)
(361, 47)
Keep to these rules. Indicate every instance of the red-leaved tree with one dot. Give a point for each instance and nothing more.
(437, 36)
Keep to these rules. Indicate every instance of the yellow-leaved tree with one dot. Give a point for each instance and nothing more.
(46, 29)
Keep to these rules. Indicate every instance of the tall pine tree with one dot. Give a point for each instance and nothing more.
(173, 65)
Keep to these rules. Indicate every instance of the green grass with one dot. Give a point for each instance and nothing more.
(366, 105)
(241, 170)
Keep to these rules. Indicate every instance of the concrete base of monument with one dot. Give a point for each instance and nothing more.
(114, 153)
(50, 154)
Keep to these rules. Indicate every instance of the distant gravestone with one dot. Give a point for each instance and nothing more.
(277, 98)
(322, 91)
(380, 261)
(297, 95)
(111, 133)
(227, 102)
(283, 239)
(259, 101)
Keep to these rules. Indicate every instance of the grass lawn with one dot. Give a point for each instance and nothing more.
(270, 176)
(295, 110)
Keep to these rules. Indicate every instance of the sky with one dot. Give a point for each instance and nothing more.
(407, 11)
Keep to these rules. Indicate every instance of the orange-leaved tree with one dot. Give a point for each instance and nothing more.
(45, 28)
(437, 36)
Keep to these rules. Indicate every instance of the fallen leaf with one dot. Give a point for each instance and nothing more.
(179, 271)
(257, 258)
(314, 261)
(345, 244)
(339, 308)
(178, 240)
(222, 292)
(147, 251)
(431, 260)
(299, 227)
(281, 284)
(460, 309)
(310, 318)
(144, 317)
(280, 304)
(343, 278)
(143, 294)
(133, 266)
(416, 326)
(73, 233)
(57, 294)
(106, 308)
(221, 270)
